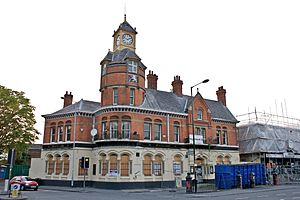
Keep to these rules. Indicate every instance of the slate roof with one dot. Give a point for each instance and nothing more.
(156, 100)
(126, 27)
(121, 56)
(164, 101)
(168, 101)
(80, 106)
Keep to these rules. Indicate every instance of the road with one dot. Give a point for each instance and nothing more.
(274, 193)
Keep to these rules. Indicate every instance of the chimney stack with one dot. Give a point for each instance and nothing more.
(68, 99)
(221, 94)
(177, 86)
(152, 80)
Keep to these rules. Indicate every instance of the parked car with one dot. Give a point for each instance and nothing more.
(25, 182)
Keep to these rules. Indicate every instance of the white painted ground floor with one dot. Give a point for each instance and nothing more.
(129, 164)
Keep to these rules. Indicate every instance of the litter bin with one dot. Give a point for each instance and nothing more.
(275, 179)
(252, 180)
(188, 183)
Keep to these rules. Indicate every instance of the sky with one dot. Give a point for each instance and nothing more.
(251, 48)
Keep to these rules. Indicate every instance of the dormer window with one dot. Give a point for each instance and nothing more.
(132, 66)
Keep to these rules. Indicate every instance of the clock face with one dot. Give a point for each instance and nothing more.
(118, 40)
(127, 39)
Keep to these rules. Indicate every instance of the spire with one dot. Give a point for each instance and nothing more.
(125, 17)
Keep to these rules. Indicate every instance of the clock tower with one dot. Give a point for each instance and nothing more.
(124, 36)
(122, 71)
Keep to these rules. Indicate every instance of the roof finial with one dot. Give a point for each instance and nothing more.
(125, 11)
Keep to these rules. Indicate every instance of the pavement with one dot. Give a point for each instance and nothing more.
(202, 191)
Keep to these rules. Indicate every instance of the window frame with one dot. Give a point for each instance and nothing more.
(203, 133)
(132, 66)
(126, 131)
(52, 134)
(131, 96)
(113, 129)
(200, 114)
(176, 133)
(224, 136)
(60, 132)
(104, 129)
(68, 130)
(218, 136)
(115, 96)
(148, 130)
(157, 132)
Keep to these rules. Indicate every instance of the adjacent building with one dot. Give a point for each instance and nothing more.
(135, 134)
(269, 139)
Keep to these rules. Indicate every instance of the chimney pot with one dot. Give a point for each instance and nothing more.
(221, 95)
(177, 85)
(152, 80)
(68, 99)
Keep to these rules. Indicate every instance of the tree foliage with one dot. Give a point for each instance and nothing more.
(16, 121)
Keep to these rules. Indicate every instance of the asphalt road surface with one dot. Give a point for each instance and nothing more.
(274, 193)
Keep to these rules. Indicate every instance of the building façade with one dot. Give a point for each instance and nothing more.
(135, 136)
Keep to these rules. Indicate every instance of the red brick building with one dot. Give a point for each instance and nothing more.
(136, 134)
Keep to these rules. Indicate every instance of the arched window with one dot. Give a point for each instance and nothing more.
(113, 165)
(176, 132)
(103, 164)
(147, 129)
(224, 135)
(52, 132)
(177, 165)
(66, 164)
(147, 165)
(227, 160)
(158, 165)
(200, 114)
(50, 164)
(200, 161)
(68, 131)
(58, 165)
(125, 165)
(219, 160)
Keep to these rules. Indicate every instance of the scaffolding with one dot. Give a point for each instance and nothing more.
(268, 119)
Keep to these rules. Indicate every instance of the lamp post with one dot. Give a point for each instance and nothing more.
(193, 132)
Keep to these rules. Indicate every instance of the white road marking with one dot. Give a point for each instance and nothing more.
(283, 194)
(242, 198)
(262, 196)
(296, 192)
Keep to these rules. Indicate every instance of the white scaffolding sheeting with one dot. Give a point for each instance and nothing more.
(261, 132)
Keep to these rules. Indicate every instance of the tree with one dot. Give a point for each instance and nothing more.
(16, 121)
